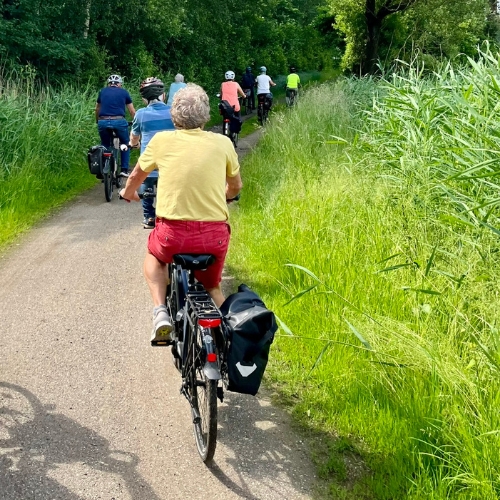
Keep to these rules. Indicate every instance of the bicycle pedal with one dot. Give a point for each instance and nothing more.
(161, 343)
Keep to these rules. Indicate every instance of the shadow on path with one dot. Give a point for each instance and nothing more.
(35, 442)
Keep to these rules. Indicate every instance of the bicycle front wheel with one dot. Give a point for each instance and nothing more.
(204, 404)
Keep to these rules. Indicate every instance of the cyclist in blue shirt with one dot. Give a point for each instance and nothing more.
(110, 112)
(174, 87)
(147, 122)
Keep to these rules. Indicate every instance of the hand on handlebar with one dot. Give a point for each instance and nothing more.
(135, 196)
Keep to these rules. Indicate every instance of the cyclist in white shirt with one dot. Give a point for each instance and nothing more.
(264, 83)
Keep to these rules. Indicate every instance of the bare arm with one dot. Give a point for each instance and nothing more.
(240, 91)
(233, 186)
(271, 83)
(131, 110)
(134, 139)
(135, 179)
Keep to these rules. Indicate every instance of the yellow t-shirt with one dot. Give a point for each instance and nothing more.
(292, 81)
(192, 166)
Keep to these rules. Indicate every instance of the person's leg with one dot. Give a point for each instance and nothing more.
(155, 273)
(217, 295)
(121, 127)
(103, 133)
(148, 208)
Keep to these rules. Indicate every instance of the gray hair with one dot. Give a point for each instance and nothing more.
(179, 78)
(190, 107)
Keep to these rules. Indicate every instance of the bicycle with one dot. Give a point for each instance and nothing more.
(246, 104)
(112, 164)
(263, 108)
(291, 96)
(227, 113)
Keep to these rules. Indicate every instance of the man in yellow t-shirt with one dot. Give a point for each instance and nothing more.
(198, 172)
(292, 86)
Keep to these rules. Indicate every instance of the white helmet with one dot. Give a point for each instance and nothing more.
(229, 75)
(263, 69)
(115, 79)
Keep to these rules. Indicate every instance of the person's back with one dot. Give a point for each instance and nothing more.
(230, 90)
(148, 121)
(112, 101)
(293, 80)
(175, 87)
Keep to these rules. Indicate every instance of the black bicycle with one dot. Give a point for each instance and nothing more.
(246, 104)
(263, 105)
(227, 112)
(112, 164)
(199, 347)
(291, 96)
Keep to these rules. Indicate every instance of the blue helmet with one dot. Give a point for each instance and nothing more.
(263, 69)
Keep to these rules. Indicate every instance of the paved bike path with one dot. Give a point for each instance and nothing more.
(88, 410)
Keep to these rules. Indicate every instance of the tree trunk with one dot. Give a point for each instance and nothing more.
(373, 27)
(374, 21)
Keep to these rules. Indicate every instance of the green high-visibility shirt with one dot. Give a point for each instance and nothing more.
(292, 81)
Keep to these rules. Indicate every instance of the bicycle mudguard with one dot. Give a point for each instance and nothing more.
(210, 369)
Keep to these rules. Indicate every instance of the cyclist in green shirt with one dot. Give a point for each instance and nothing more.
(292, 86)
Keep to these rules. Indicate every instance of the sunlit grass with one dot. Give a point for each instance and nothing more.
(369, 224)
(43, 138)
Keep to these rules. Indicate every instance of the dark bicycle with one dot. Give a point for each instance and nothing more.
(264, 102)
(291, 96)
(111, 171)
(199, 346)
(230, 122)
(246, 103)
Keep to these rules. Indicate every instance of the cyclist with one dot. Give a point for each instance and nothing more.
(292, 84)
(110, 112)
(199, 171)
(264, 84)
(230, 90)
(147, 122)
(174, 87)
(247, 83)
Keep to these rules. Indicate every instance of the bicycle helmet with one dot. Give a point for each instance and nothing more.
(115, 79)
(292, 69)
(263, 69)
(151, 88)
(229, 75)
(249, 69)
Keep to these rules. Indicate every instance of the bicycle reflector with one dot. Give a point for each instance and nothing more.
(209, 322)
(211, 357)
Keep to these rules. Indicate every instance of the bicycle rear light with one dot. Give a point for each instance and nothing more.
(211, 357)
(209, 322)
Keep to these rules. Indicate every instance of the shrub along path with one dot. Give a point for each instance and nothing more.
(87, 408)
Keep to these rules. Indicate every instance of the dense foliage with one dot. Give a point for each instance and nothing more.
(87, 40)
(385, 30)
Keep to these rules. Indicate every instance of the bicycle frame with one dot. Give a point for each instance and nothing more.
(199, 347)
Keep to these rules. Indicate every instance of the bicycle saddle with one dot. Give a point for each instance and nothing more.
(193, 261)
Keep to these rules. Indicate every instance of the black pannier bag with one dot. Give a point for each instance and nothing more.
(226, 110)
(95, 160)
(235, 125)
(250, 329)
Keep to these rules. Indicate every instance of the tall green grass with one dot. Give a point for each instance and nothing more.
(369, 223)
(44, 136)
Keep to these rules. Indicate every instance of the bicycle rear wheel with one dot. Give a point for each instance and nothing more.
(204, 403)
(108, 180)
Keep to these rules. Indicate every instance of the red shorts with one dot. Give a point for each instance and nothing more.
(183, 236)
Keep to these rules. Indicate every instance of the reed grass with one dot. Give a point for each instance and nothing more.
(44, 137)
(369, 224)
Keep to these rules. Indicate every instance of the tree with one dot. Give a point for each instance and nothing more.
(368, 24)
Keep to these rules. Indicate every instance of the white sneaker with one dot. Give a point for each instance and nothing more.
(162, 325)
